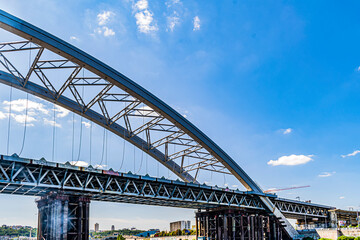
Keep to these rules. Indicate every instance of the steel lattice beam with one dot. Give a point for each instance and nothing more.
(38, 177)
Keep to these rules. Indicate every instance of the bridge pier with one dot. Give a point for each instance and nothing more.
(237, 224)
(63, 217)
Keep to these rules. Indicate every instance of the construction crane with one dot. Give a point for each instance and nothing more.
(284, 189)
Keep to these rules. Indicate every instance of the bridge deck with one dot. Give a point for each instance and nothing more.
(38, 177)
(31, 177)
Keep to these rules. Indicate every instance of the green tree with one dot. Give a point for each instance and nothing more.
(120, 237)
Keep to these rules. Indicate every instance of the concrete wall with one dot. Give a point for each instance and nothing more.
(350, 232)
(331, 233)
(334, 233)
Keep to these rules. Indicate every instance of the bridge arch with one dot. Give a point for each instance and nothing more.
(163, 127)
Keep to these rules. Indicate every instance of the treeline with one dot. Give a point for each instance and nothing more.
(175, 233)
(119, 232)
(24, 231)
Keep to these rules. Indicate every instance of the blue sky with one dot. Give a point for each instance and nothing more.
(274, 83)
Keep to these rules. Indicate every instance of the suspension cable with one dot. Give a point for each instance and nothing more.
(80, 140)
(134, 159)
(73, 137)
(53, 142)
(81, 124)
(103, 149)
(26, 110)
(25, 124)
(90, 139)
(123, 155)
(142, 150)
(9, 123)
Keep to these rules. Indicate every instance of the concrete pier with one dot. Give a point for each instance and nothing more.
(234, 224)
(63, 217)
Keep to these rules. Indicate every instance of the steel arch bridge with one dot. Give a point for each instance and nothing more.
(106, 97)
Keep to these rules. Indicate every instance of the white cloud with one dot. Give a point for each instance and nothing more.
(100, 166)
(358, 69)
(86, 124)
(79, 163)
(61, 112)
(287, 131)
(326, 174)
(144, 18)
(196, 23)
(351, 154)
(291, 160)
(19, 105)
(73, 38)
(141, 5)
(20, 118)
(104, 17)
(144, 21)
(3, 115)
(51, 123)
(108, 32)
(342, 197)
(173, 21)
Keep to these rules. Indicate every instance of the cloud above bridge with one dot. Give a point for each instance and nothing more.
(326, 174)
(144, 17)
(291, 160)
(351, 154)
(37, 112)
(196, 23)
(103, 19)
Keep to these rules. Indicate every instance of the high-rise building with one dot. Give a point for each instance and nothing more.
(97, 227)
(112, 228)
(180, 225)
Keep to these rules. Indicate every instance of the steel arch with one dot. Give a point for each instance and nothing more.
(205, 154)
(210, 155)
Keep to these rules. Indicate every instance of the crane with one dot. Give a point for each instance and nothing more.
(284, 189)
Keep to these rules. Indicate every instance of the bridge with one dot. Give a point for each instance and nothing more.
(99, 93)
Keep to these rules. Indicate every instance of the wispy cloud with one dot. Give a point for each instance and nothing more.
(326, 174)
(103, 19)
(144, 17)
(79, 163)
(19, 105)
(36, 112)
(287, 131)
(3, 115)
(351, 154)
(61, 112)
(342, 197)
(196, 22)
(51, 123)
(86, 124)
(173, 19)
(291, 160)
(73, 38)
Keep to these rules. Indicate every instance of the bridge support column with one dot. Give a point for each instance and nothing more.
(63, 217)
(237, 224)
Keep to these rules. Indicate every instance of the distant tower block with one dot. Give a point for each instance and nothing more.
(97, 227)
(112, 228)
(63, 217)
